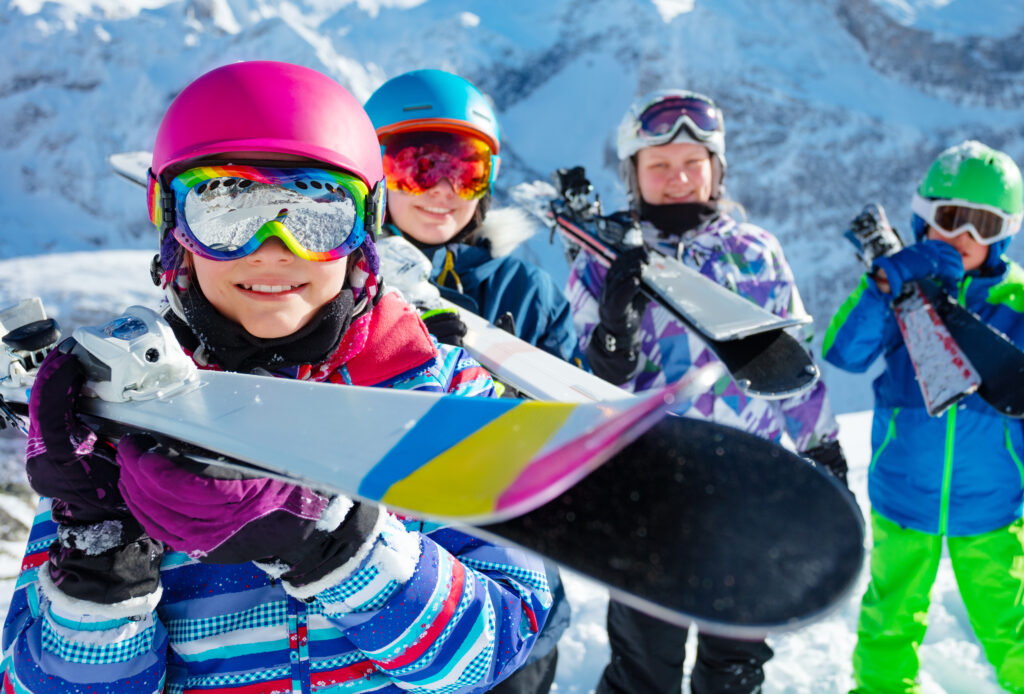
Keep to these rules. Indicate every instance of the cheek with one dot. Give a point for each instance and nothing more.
(208, 273)
(650, 183)
(398, 206)
(331, 276)
(465, 211)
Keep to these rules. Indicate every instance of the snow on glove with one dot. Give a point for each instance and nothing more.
(302, 534)
(102, 558)
(445, 325)
(929, 258)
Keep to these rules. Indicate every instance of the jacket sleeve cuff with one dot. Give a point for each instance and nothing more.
(386, 560)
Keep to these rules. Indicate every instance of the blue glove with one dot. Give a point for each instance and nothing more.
(923, 259)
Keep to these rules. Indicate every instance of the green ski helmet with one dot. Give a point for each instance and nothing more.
(973, 173)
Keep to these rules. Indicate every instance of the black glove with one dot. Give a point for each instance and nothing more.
(830, 456)
(615, 343)
(445, 325)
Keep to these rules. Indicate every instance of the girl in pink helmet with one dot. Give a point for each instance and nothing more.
(146, 572)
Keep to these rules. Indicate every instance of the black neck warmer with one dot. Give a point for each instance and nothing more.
(233, 348)
(676, 219)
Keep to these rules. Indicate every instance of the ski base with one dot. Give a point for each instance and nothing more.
(700, 523)
(944, 373)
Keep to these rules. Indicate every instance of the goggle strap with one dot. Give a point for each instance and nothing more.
(167, 209)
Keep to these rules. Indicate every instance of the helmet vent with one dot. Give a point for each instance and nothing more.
(418, 107)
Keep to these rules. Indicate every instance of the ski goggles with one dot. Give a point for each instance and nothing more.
(415, 162)
(227, 211)
(950, 218)
(660, 121)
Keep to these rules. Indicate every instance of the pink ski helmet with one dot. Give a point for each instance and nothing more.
(263, 106)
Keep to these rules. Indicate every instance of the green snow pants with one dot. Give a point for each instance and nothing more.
(989, 572)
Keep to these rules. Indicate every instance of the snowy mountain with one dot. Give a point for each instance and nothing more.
(829, 103)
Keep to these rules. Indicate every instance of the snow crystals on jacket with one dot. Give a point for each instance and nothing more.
(749, 261)
(430, 609)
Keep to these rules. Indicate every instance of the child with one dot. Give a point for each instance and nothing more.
(671, 147)
(957, 476)
(440, 140)
(149, 573)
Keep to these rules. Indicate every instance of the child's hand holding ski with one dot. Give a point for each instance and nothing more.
(923, 259)
(102, 557)
(293, 532)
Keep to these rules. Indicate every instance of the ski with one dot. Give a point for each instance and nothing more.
(963, 353)
(131, 165)
(447, 458)
(527, 368)
(700, 523)
(761, 356)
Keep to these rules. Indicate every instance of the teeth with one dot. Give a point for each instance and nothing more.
(437, 210)
(269, 288)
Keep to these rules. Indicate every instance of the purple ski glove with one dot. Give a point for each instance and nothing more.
(63, 459)
(221, 520)
(930, 258)
(102, 558)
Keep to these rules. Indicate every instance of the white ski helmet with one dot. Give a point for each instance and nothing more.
(671, 115)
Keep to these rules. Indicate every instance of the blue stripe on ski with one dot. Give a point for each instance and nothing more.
(432, 435)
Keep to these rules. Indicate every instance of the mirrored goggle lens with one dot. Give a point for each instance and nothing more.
(988, 225)
(227, 212)
(416, 162)
(665, 116)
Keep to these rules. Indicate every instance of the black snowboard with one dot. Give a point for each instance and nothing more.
(700, 523)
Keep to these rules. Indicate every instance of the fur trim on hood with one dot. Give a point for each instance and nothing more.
(504, 229)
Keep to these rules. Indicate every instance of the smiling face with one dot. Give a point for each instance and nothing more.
(674, 173)
(432, 218)
(271, 292)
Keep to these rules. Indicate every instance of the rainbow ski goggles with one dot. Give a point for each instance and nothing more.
(415, 162)
(227, 211)
(950, 218)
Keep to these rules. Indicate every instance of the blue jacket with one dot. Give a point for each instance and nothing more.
(958, 474)
(491, 287)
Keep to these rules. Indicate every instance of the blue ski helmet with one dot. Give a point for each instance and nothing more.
(435, 100)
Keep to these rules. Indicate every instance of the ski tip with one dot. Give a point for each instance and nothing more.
(131, 165)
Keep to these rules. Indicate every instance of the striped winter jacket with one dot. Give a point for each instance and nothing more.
(960, 473)
(430, 609)
(749, 261)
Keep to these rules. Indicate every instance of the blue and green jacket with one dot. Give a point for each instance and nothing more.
(957, 474)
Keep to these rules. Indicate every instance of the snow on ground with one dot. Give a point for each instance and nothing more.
(89, 287)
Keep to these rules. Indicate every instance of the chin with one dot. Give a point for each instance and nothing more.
(272, 329)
